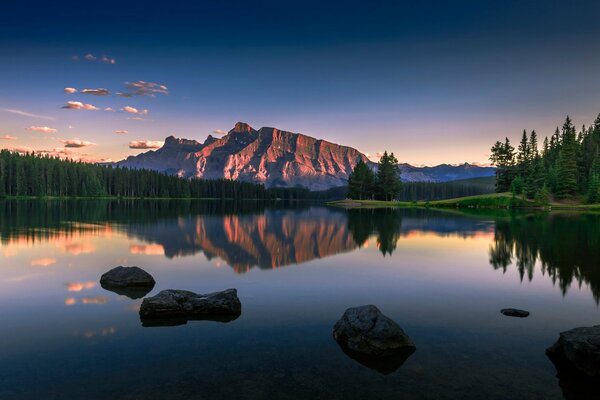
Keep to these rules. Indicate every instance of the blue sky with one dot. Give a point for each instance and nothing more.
(432, 81)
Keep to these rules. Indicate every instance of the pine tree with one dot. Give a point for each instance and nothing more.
(361, 181)
(388, 183)
(503, 157)
(566, 184)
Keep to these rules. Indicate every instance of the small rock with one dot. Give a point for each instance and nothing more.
(127, 277)
(514, 312)
(132, 282)
(176, 307)
(577, 352)
(367, 332)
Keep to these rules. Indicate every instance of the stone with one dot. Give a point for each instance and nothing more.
(577, 352)
(132, 282)
(175, 307)
(368, 334)
(514, 312)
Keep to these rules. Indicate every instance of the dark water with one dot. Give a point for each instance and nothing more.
(443, 276)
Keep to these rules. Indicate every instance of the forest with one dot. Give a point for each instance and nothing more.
(29, 175)
(566, 167)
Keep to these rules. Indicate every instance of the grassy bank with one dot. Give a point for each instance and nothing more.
(494, 200)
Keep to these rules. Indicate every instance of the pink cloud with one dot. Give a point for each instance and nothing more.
(8, 137)
(77, 143)
(121, 132)
(70, 90)
(96, 92)
(142, 88)
(145, 144)
(219, 132)
(133, 110)
(43, 129)
(77, 105)
(43, 262)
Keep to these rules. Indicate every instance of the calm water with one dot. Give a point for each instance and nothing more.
(443, 276)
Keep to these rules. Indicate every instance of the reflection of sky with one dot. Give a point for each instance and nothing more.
(433, 282)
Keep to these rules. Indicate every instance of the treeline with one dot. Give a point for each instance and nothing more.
(429, 191)
(364, 184)
(567, 166)
(39, 176)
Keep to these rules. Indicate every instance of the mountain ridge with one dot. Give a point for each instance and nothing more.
(276, 158)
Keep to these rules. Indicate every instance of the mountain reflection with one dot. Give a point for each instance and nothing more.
(566, 246)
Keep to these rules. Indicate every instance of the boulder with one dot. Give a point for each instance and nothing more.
(515, 312)
(132, 282)
(366, 334)
(176, 307)
(577, 352)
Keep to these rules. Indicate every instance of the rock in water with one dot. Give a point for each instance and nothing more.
(175, 307)
(514, 312)
(577, 351)
(132, 282)
(366, 332)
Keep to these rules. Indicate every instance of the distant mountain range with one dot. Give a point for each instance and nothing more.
(278, 159)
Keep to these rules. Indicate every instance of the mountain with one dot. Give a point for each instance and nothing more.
(276, 158)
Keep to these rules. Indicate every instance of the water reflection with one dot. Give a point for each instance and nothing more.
(268, 236)
(565, 244)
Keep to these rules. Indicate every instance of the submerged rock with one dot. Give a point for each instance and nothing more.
(132, 282)
(370, 337)
(577, 351)
(576, 356)
(515, 312)
(175, 307)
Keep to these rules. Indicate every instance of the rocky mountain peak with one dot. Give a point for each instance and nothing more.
(242, 127)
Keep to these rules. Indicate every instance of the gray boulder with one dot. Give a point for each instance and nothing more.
(577, 352)
(132, 282)
(365, 332)
(127, 277)
(514, 312)
(175, 307)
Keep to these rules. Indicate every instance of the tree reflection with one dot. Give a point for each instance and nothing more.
(566, 245)
(385, 223)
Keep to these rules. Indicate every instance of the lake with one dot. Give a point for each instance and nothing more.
(443, 276)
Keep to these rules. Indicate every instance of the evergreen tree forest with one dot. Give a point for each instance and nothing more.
(364, 184)
(567, 166)
(40, 176)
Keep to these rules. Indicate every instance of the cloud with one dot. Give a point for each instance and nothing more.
(121, 132)
(43, 262)
(93, 58)
(96, 92)
(145, 144)
(26, 114)
(136, 119)
(43, 129)
(77, 143)
(109, 109)
(95, 300)
(19, 149)
(79, 286)
(70, 90)
(77, 105)
(7, 137)
(147, 249)
(219, 132)
(142, 88)
(79, 248)
(133, 110)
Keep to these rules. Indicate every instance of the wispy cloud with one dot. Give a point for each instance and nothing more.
(96, 92)
(43, 262)
(77, 105)
(8, 137)
(20, 149)
(219, 132)
(70, 90)
(91, 57)
(26, 114)
(133, 110)
(43, 129)
(77, 143)
(143, 88)
(121, 132)
(145, 144)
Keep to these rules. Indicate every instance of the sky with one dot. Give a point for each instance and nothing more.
(434, 82)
